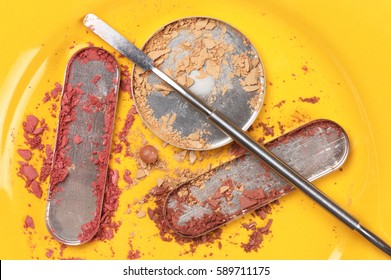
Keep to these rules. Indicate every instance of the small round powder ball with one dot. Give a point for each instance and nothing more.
(148, 154)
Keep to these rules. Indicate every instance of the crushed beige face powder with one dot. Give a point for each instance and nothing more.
(213, 60)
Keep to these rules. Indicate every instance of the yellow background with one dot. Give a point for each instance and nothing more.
(345, 46)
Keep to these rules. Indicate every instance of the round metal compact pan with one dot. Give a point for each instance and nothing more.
(216, 62)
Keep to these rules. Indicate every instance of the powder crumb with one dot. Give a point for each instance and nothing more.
(28, 172)
(279, 104)
(192, 157)
(29, 222)
(49, 253)
(36, 189)
(30, 124)
(96, 79)
(312, 100)
(140, 214)
(256, 237)
(134, 254)
(25, 154)
(180, 156)
(267, 130)
(77, 139)
(141, 173)
(127, 177)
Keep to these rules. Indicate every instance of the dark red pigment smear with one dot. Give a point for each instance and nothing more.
(167, 234)
(312, 100)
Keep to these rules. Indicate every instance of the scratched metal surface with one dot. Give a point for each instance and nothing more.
(313, 150)
(75, 204)
(234, 103)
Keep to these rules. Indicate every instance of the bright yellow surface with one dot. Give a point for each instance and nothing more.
(344, 45)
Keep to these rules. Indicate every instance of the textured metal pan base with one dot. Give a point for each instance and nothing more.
(216, 62)
(245, 184)
(82, 147)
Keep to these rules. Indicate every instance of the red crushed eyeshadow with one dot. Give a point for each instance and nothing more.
(126, 85)
(69, 102)
(54, 93)
(110, 202)
(256, 237)
(247, 202)
(130, 117)
(95, 54)
(33, 131)
(167, 234)
(47, 164)
(107, 226)
(61, 160)
(250, 199)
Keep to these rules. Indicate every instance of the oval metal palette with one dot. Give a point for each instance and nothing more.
(216, 62)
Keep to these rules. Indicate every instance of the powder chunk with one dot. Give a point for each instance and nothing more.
(96, 79)
(247, 202)
(29, 172)
(127, 177)
(255, 194)
(77, 139)
(36, 189)
(25, 154)
(30, 124)
(29, 222)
